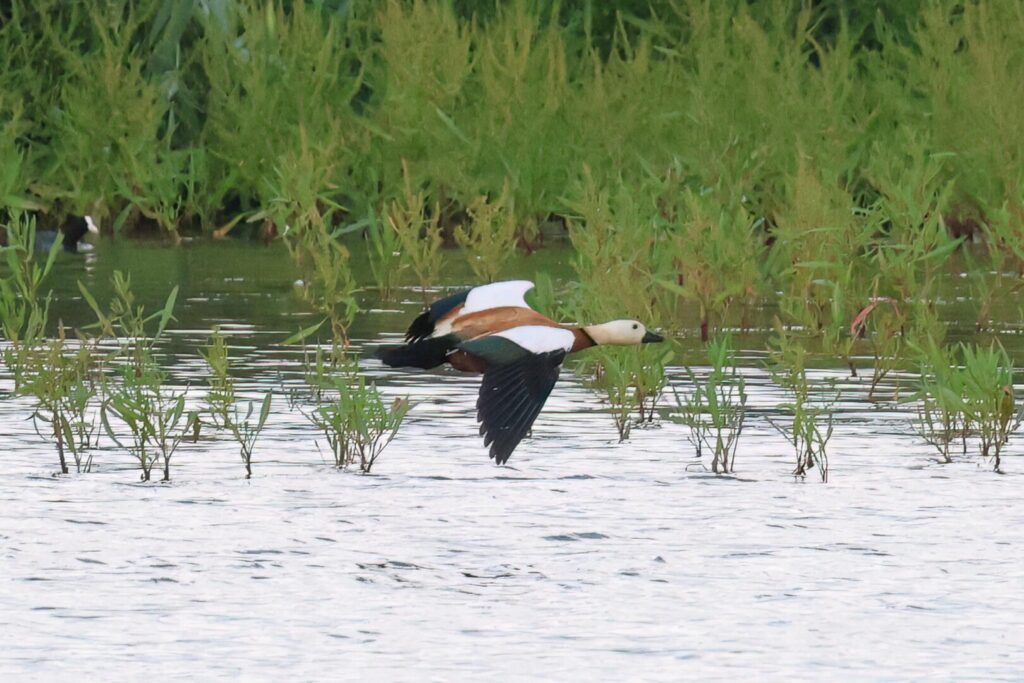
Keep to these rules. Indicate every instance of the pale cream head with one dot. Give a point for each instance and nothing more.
(621, 332)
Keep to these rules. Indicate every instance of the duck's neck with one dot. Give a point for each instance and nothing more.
(583, 340)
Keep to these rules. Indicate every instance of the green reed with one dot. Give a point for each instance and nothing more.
(56, 374)
(808, 422)
(213, 106)
(384, 252)
(617, 249)
(716, 407)
(632, 381)
(61, 380)
(489, 237)
(155, 415)
(348, 410)
(989, 398)
(243, 424)
(136, 392)
(716, 255)
(328, 284)
(942, 413)
(417, 227)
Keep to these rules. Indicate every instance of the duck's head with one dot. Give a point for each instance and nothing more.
(622, 332)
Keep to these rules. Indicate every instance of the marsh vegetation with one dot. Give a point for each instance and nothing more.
(799, 175)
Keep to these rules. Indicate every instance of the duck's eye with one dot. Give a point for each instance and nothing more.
(636, 326)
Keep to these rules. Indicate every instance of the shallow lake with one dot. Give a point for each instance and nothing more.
(585, 558)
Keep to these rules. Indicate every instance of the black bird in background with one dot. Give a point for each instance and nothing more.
(74, 230)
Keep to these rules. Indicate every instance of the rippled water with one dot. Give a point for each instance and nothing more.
(585, 558)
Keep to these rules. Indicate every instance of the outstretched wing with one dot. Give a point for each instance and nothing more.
(423, 326)
(498, 295)
(431, 322)
(522, 368)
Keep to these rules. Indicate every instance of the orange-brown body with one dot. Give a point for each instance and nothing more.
(494, 320)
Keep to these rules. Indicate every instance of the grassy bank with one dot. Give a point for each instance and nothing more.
(188, 116)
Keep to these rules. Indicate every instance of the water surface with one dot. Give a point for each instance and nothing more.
(585, 558)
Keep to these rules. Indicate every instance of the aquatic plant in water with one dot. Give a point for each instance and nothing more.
(244, 427)
(154, 414)
(716, 407)
(716, 256)
(385, 256)
(349, 411)
(941, 410)
(328, 284)
(632, 380)
(989, 396)
(136, 393)
(808, 421)
(60, 380)
(56, 375)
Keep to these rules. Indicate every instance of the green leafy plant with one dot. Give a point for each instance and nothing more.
(489, 237)
(385, 255)
(716, 407)
(716, 255)
(328, 284)
(349, 411)
(57, 376)
(419, 233)
(245, 425)
(61, 382)
(155, 416)
(631, 379)
(942, 416)
(136, 393)
(808, 422)
(989, 398)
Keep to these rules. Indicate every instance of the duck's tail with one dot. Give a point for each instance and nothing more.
(425, 353)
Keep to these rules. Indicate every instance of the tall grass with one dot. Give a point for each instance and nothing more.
(186, 117)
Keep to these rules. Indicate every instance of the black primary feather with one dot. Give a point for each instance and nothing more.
(423, 326)
(511, 397)
(425, 353)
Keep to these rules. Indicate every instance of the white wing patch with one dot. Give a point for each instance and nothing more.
(496, 295)
(540, 338)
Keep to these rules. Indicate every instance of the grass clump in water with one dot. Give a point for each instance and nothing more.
(808, 419)
(716, 407)
(632, 381)
(136, 394)
(222, 408)
(56, 374)
(348, 410)
(990, 403)
(942, 416)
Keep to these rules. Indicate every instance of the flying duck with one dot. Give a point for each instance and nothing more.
(492, 330)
